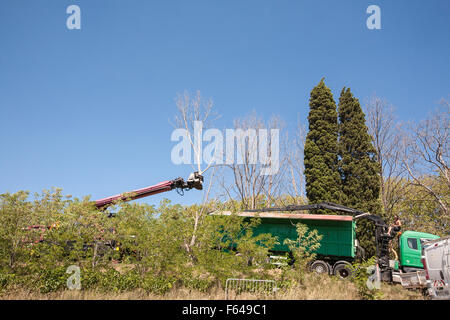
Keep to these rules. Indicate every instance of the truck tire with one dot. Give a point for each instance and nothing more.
(343, 270)
(320, 267)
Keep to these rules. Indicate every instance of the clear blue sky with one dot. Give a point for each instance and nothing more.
(88, 110)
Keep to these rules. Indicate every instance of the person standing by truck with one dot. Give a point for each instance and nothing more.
(396, 227)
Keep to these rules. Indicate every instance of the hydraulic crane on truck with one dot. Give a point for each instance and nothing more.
(195, 181)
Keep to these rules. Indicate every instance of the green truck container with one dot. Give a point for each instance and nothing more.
(338, 232)
(338, 245)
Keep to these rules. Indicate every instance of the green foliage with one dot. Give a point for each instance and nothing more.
(359, 170)
(53, 279)
(90, 278)
(113, 280)
(197, 283)
(15, 214)
(367, 288)
(158, 247)
(6, 279)
(303, 248)
(320, 155)
(420, 211)
(151, 239)
(158, 285)
(357, 165)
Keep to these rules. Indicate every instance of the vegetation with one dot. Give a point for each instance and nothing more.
(303, 250)
(321, 158)
(358, 167)
(316, 287)
(140, 247)
(363, 273)
(141, 252)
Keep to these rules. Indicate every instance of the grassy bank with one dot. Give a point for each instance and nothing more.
(316, 287)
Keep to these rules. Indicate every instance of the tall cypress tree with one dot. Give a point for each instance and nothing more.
(320, 154)
(360, 181)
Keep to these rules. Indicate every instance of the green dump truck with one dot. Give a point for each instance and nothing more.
(339, 246)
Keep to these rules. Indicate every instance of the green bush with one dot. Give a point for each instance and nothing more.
(158, 285)
(195, 283)
(50, 280)
(129, 281)
(109, 280)
(366, 288)
(303, 250)
(90, 278)
(6, 280)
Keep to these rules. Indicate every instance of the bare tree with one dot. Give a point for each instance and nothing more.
(386, 134)
(193, 111)
(295, 184)
(249, 182)
(427, 154)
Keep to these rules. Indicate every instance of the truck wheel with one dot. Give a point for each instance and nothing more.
(343, 270)
(320, 267)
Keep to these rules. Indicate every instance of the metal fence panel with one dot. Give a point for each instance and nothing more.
(239, 286)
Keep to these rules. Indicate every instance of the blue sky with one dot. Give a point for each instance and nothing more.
(88, 110)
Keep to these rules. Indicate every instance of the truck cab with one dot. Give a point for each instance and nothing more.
(410, 247)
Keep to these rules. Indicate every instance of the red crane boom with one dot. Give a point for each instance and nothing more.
(195, 180)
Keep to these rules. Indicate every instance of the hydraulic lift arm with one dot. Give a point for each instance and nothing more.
(322, 205)
(379, 222)
(195, 181)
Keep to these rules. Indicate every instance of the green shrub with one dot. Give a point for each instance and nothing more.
(108, 280)
(51, 280)
(129, 281)
(366, 287)
(303, 250)
(90, 278)
(194, 283)
(6, 279)
(158, 285)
